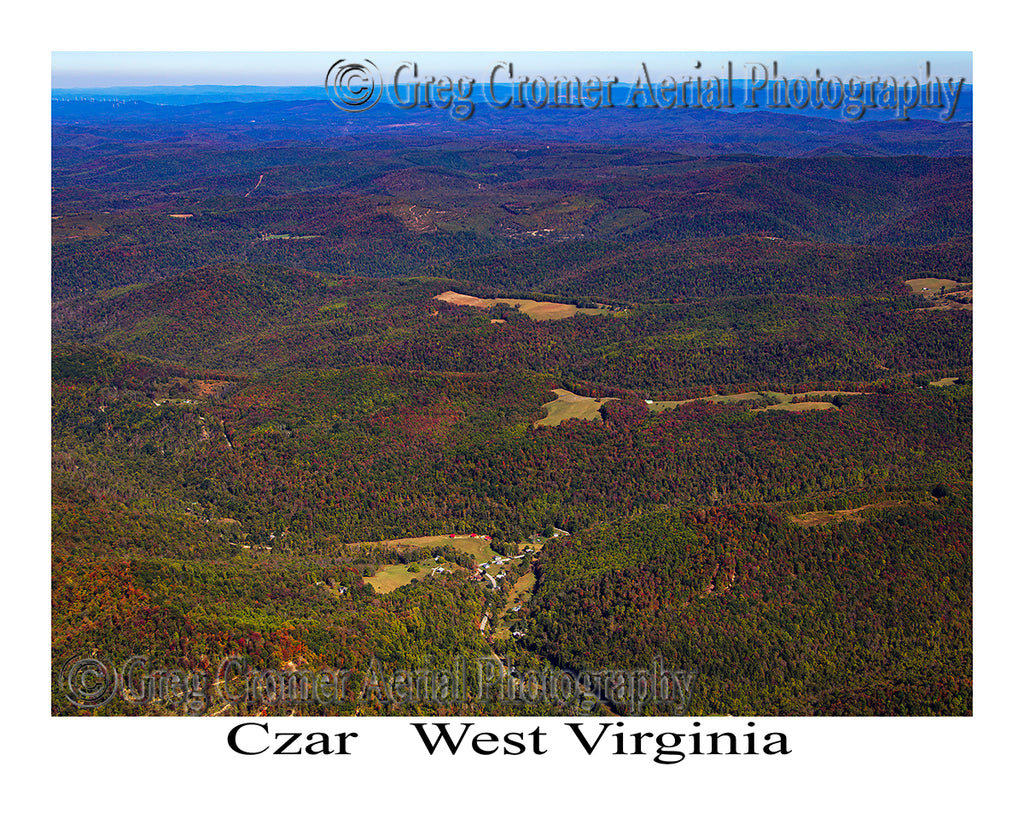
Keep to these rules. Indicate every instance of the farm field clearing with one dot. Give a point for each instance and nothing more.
(788, 402)
(801, 406)
(945, 294)
(395, 575)
(521, 593)
(476, 546)
(809, 519)
(537, 310)
(569, 405)
(929, 285)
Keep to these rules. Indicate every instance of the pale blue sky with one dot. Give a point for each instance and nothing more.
(86, 69)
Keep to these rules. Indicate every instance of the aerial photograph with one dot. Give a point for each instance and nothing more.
(463, 384)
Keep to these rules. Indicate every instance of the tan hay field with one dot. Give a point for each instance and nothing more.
(786, 400)
(931, 285)
(801, 406)
(537, 310)
(569, 405)
(394, 576)
(476, 547)
(809, 519)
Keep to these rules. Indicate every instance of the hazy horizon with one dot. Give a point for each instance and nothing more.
(100, 70)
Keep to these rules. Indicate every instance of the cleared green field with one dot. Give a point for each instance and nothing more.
(734, 398)
(817, 393)
(523, 589)
(930, 285)
(569, 405)
(476, 547)
(785, 401)
(808, 519)
(802, 406)
(79, 225)
(661, 406)
(394, 576)
(521, 592)
(537, 310)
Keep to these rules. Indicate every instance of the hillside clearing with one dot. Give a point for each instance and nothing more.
(790, 402)
(569, 405)
(801, 406)
(944, 294)
(931, 285)
(809, 519)
(521, 593)
(395, 575)
(537, 310)
(476, 546)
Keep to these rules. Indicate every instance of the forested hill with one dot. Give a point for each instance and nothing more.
(585, 222)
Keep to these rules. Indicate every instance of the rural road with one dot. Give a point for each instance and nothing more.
(258, 183)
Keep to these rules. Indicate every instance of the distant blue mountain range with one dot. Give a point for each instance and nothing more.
(482, 95)
(249, 114)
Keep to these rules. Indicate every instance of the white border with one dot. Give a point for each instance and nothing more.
(941, 767)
